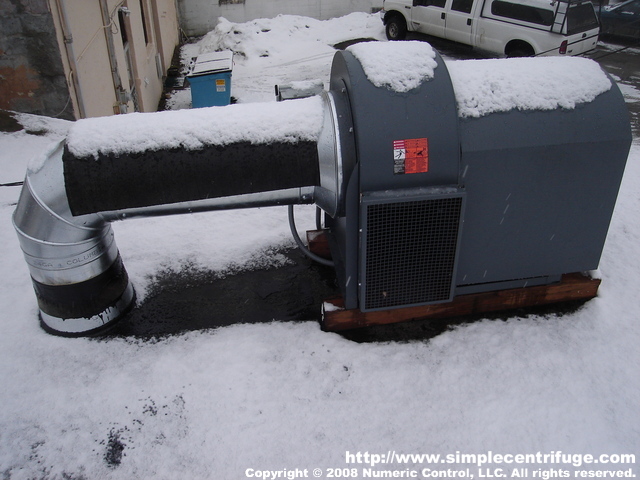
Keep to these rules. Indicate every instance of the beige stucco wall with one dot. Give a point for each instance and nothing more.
(167, 29)
(89, 61)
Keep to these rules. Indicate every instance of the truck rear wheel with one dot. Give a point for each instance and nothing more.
(396, 28)
(519, 49)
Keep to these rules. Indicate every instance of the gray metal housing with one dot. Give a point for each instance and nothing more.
(537, 190)
(541, 188)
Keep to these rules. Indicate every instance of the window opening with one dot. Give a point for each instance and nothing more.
(525, 13)
(143, 15)
(463, 6)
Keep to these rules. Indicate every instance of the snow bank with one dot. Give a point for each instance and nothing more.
(46, 126)
(272, 37)
(259, 123)
(21, 149)
(280, 50)
(399, 66)
(544, 83)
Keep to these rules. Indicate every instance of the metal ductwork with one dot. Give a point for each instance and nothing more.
(501, 200)
(66, 206)
(75, 266)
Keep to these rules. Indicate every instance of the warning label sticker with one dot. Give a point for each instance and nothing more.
(221, 85)
(411, 156)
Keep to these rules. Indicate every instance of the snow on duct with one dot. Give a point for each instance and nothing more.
(437, 179)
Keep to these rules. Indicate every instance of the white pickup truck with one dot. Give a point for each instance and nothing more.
(512, 28)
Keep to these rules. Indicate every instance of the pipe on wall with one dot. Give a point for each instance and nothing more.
(120, 93)
(68, 44)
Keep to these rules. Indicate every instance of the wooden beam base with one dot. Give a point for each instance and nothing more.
(319, 243)
(574, 286)
(335, 318)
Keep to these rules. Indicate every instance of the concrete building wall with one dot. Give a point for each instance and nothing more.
(200, 16)
(83, 44)
(120, 52)
(153, 33)
(85, 58)
(32, 75)
(167, 26)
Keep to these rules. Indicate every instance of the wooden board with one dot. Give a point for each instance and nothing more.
(319, 243)
(574, 286)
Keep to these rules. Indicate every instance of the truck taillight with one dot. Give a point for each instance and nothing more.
(563, 47)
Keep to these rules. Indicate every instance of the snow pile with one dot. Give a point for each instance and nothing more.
(543, 83)
(275, 37)
(399, 66)
(289, 121)
(50, 127)
(22, 148)
(278, 51)
(306, 84)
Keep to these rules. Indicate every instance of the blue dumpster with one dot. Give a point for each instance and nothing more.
(210, 79)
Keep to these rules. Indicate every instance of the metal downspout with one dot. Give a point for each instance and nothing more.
(121, 96)
(68, 43)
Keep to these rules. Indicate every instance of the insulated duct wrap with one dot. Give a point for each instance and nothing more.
(116, 182)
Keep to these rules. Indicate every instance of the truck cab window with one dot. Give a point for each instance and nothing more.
(525, 13)
(463, 6)
(581, 18)
(429, 3)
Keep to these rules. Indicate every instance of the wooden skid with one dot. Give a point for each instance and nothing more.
(573, 286)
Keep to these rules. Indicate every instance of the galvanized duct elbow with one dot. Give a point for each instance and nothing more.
(77, 273)
(63, 214)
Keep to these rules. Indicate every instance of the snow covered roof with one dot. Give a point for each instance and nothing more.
(211, 403)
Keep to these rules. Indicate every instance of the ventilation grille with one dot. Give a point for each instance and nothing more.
(410, 252)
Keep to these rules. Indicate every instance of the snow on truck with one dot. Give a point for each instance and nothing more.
(512, 28)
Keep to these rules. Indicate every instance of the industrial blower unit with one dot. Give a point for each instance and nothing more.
(424, 201)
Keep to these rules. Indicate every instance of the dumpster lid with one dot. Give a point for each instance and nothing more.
(211, 63)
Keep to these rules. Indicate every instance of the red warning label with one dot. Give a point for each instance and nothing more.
(411, 156)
